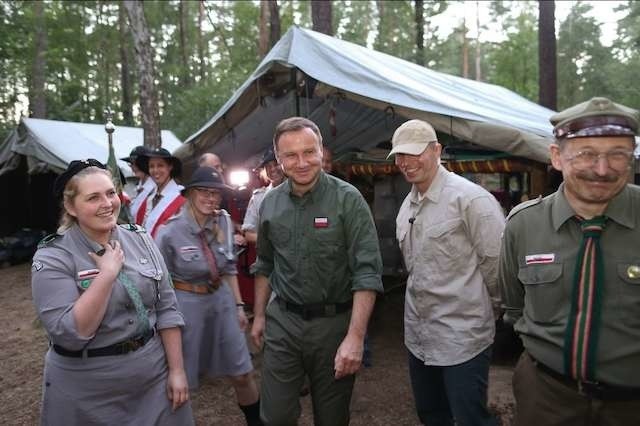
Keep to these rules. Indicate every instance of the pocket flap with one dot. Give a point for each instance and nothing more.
(540, 273)
(438, 230)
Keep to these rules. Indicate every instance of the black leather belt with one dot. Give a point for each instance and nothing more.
(315, 310)
(120, 348)
(595, 390)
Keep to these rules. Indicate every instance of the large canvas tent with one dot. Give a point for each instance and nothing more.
(358, 97)
(38, 150)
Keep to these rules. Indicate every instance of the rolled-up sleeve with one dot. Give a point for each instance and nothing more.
(365, 261)
(54, 289)
(167, 312)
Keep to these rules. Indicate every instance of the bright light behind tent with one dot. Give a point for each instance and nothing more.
(239, 178)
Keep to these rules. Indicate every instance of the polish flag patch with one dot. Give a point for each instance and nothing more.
(320, 222)
(89, 273)
(533, 259)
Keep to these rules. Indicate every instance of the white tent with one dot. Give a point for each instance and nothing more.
(50, 145)
(358, 97)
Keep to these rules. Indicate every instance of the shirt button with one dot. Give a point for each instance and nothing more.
(130, 321)
(128, 306)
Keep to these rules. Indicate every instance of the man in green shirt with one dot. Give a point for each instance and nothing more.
(570, 277)
(318, 253)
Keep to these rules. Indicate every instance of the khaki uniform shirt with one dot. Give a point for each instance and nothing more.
(252, 216)
(320, 247)
(537, 294)
(180, 244)
(62, 270)
(450, 240)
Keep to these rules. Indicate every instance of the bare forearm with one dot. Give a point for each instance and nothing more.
(251, 236)
(262, 294)
(172, 342)
(363, 302)
(89, 309)
(232, 281)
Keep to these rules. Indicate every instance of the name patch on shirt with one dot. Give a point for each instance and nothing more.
(88, 273)
(533, 259)
(189, 249)
(320, 222)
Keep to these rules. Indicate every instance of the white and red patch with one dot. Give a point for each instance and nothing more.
(88, 273)
(534, 259)
(320, 222)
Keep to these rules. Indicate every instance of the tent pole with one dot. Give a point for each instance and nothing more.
(294, 86)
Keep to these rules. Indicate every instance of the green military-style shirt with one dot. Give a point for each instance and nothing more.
(320, 247)
(536, 273)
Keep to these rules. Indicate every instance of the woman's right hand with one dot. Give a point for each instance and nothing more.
(111, 260)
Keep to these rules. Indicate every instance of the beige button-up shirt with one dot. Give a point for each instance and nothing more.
(450, 239)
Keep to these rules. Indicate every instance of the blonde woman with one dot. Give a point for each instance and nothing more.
(104, 297)
(198, 248)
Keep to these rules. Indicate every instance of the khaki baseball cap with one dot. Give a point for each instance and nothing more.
(412, 138)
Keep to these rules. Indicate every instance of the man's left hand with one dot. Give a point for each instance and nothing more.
(349, 356)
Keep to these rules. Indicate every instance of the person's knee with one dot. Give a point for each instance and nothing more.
(242, 381)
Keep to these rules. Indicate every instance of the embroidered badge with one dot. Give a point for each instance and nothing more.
(320, 222)
(143, 260)
(89, 273)
(85, 284)
(36, 266)
(533, 259)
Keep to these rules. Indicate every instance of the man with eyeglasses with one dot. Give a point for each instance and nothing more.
(570, 277)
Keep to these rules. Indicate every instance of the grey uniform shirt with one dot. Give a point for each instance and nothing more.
(450, 240)
(180, 244)
(252, 215)
(62, 270)
(537, 266)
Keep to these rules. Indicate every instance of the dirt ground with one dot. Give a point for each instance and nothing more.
(382, 394)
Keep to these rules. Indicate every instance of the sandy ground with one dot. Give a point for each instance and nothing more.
(382, 394)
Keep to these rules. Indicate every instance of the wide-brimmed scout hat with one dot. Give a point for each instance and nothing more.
(595, 117)
(412, 138)
(267, 157)
(135, 155)
(176, 170)
(206, 177)
(74, 167)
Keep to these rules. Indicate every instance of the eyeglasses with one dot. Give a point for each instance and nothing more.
(616, 159)
(207, 193)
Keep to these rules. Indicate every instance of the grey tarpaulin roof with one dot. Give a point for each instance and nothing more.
(50, 145)
(369, 94)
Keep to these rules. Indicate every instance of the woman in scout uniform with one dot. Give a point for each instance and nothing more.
(103, 295)
(165, 200)
(198, 248)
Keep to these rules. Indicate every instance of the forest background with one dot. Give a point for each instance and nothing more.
(69, 60)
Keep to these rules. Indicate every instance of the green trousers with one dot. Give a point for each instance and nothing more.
(293, 348)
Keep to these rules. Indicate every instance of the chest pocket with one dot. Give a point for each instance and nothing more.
(545, 296)
(446, 240)
(190, 254)
(329, 243)
(147, 285)
(279, 234)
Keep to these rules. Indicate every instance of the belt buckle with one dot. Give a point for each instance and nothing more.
(590, 388)
(132, 345)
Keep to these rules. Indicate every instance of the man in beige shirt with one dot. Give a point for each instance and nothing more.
(449, 232)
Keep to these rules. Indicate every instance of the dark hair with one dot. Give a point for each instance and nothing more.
(293, 124)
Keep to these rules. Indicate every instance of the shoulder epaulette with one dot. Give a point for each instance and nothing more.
(47, 240)
(258, 190)
(524, 205)
(133, 228)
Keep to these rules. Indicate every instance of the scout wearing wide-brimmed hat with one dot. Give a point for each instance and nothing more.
(570, 276)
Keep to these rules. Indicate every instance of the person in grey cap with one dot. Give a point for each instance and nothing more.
(449, 231)
(145, 184)
(198, 248)
(104, 297)
(271, 172)
(570, 277)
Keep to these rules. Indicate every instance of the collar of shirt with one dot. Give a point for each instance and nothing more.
(435, 189)
(75, 232)
(617, 210)
(316, 191)
(193, 226)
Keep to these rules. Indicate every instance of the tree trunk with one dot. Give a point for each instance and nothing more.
(185, 74)
(274, 22)
(125, 80)
(201, 61)
(37, 97)
(263, 41)
(547, 79)
(144, 59)
(419, 32)
(465, 51)
(321, 16)
(478, 51)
